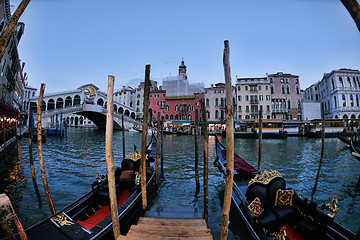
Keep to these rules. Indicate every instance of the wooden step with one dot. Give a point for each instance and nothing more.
(182, 212)
(151, 228)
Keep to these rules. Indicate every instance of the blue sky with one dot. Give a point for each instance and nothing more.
(68, 43)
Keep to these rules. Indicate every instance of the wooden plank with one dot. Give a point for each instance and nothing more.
(138, 236)
(174, 232)
(170, 227)
(157, 221)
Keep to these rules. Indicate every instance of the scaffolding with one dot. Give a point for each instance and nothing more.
(180, 86)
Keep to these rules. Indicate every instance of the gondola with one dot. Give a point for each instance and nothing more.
(270, 211)
(347, 140)
(355, 151)
(89, 217)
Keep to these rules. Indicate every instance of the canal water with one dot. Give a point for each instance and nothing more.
(71, 165)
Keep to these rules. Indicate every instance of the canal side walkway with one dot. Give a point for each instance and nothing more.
(184, 222)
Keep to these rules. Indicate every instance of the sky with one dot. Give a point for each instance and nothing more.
(68, 43)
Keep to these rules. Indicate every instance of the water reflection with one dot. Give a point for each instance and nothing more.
(71, 164)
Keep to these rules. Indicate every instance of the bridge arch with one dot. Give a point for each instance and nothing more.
(59, 103)
(115, 108)
(127, 112)
(68, 101)
(77, 100)
(132, 115)
(100, 102)
(51, 104)
(121, 110)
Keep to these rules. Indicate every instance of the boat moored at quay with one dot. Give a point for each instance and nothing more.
(270, 210)
(89, 216)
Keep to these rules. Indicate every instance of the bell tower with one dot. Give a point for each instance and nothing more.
(182, 69)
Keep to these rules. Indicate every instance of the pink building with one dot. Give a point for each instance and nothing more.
(183, 108)
(157, 103)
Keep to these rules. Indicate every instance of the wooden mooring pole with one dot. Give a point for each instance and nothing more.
(110, 166)
(197, 180)
(144, 135)
(39, 144)
(162, 147)
(31, 160)
(260, 140)
(6, 213)
(322, 149)
(206, 160)
(157, 149)
(4, 136)
(123, 134)
(229, 145)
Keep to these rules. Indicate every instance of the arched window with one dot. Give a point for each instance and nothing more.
(43, 106)
(349, 82)
(189, 117)
(357, 100)
(132, 115)
(283, 89)
(344, 100)
(51, 104)
(171, 117)
(335, 103)
(333, 83)
(68, 101)
(77, 100)
(100, 102)
(216, 114)
(351, 100)
(166, 116)
(176, 117)
(222, 115)
(354, 81)
(222, 102)
(289, 104)
(208, 114)
(207, 102)
(121, 110)
(216, 102)
(345, 116)
(127, 113)
(287, 89)
(341, 81)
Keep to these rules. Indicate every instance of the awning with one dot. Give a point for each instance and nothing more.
(7, 110)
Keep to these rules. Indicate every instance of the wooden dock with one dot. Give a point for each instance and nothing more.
(170, 223)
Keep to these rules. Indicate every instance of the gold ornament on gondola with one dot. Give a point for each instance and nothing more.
(134, 156)
(332, 208)
(265, 177)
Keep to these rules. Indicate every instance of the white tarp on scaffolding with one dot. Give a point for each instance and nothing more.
(180, 86)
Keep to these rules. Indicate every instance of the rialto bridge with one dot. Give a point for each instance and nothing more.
(81, 105)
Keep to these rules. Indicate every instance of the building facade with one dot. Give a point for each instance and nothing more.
(253, 95)
(126, 96)
(339, 92)
(285, 96)
(157, 103)
(12, 84)
(215, 102)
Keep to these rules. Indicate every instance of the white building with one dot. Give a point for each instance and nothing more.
(126, 96)
(339, 91)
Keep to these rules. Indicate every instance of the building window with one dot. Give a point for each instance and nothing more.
(344, 100)
(246, 88)
(288, 89)
(282, 89)
(297, 90)
(335, 103)
(246, 98)
(341, 81)
(268, 108)
(348, 79)
(207, 102)
(247, 108)
(266, 87)
(267, 97)
(216, 102)
(333, 83)
(239, 98)
(239, 108)
(289, 104)
(271, 89)
(351, 100)
(259, 87)
(216, 114)
(239, 88)
(261, 98)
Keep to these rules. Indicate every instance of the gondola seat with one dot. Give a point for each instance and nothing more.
(272, 216)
